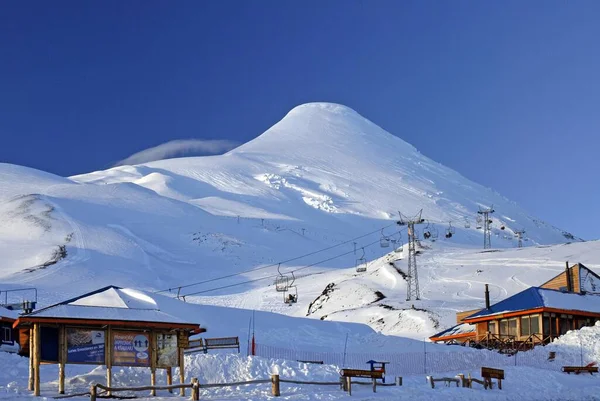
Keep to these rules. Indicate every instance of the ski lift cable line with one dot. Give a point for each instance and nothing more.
(292, 271)
(273, 264)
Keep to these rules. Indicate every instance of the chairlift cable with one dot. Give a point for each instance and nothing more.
(293, 271)
(272, 265)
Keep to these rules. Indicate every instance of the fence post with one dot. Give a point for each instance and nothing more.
(462, 379)
(399, 381)
(195, 389)
(349, 385)
(275, 385)
(93, 392)
(374, 385)
(153, 382)
(170, 378)
(430, 380)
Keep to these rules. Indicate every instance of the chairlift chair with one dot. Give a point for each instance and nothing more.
(450, 230)
(290, 295)
(467, 224)
(434, 234)
(426, 231)
(282, 282)
(384, 242)
(361, 263)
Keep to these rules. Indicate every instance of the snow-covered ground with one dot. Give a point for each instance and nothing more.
(314, 194)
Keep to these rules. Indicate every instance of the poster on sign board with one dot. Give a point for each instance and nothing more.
(131, 348)
(167, 350)
(85, 346)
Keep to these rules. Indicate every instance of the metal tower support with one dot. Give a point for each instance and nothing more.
(519, 234)
(412, 291)
(487, 230)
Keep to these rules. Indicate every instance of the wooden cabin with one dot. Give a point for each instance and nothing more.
(534, 316)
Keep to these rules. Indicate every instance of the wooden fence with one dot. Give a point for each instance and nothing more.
(98, 390)
(94, 393)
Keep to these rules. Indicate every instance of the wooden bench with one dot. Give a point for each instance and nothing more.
(195, 346)
(348, 374)
(222, 343)
(490, 373)
(580, 369)
(368, 374)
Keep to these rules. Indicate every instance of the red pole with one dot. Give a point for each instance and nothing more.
(253, 345)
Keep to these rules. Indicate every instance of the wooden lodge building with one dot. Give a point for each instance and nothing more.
(534, 316)
(112, 327)
(8, 335)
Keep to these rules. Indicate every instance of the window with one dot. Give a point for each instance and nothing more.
(525, 326)
(503, 327)
(492, 327)
(512, 327)
(547, 320)
(6, 334)
(531, 325)
(535, 324)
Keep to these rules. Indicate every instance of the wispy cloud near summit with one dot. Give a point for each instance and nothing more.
(180, 148)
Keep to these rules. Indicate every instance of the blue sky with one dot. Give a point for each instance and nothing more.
(506, 92)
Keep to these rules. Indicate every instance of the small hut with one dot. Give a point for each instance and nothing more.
(112, 326)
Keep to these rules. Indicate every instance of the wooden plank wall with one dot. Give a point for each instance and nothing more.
(461, 315)
(560, 281)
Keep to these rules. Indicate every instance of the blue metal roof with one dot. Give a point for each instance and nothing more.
(527, 299)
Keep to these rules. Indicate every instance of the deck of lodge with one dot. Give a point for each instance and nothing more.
(535, 316)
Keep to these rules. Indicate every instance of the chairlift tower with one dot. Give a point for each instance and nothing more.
(519, 234)
(487, 230)
(412, 292)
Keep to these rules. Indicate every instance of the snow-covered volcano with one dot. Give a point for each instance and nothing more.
(327, 158)
(322, 177)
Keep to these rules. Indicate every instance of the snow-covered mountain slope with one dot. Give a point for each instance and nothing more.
(452, 279)
(321, 183)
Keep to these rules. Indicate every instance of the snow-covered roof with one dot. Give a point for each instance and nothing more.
(588, 280)
(536, 297)
(113, 303)
(462, 328)
(7, 314)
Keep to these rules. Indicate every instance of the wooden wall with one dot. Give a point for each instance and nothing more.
(560, 281)
(461, 315)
